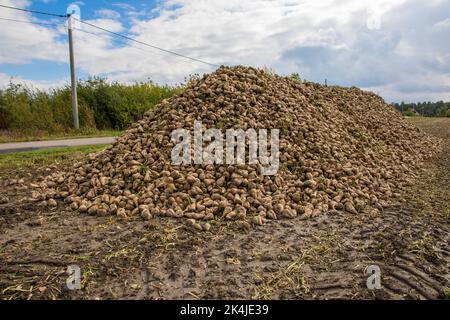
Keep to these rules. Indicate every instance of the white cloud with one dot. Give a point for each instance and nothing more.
(123, 5)
(21, 43)
(108, 14)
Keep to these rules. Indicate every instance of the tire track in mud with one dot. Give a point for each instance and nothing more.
(242, 266)
(324, 257)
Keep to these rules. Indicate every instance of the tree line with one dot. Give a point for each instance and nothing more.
(426, 109)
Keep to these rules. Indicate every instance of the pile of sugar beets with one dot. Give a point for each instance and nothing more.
(340, 149)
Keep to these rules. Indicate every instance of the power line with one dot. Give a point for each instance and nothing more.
(32, 22)
(103, 38)
(34, 11)
(84, 31)
(146, 44)
(124, 42)
(111, 32)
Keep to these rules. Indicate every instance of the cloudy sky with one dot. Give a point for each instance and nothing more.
(399, 49)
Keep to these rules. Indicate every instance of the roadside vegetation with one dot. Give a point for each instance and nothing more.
(104, 106)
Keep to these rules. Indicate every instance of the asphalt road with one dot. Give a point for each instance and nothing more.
(36, 145)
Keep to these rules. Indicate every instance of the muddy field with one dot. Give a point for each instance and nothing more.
(320, 258)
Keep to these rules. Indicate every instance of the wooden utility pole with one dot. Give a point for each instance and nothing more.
(73, 78)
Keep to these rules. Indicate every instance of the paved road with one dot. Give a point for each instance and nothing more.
(36, 145)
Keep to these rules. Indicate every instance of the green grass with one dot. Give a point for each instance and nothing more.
(46, 156)
(39, 135)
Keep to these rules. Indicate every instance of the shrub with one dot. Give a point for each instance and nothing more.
(409, 112)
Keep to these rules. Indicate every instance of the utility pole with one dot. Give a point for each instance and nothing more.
(76, 123)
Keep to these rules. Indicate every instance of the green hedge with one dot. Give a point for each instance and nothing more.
(102, 105)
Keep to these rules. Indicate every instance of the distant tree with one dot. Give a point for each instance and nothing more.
(427, 109)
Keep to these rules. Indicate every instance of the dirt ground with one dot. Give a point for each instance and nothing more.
(321, 258)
